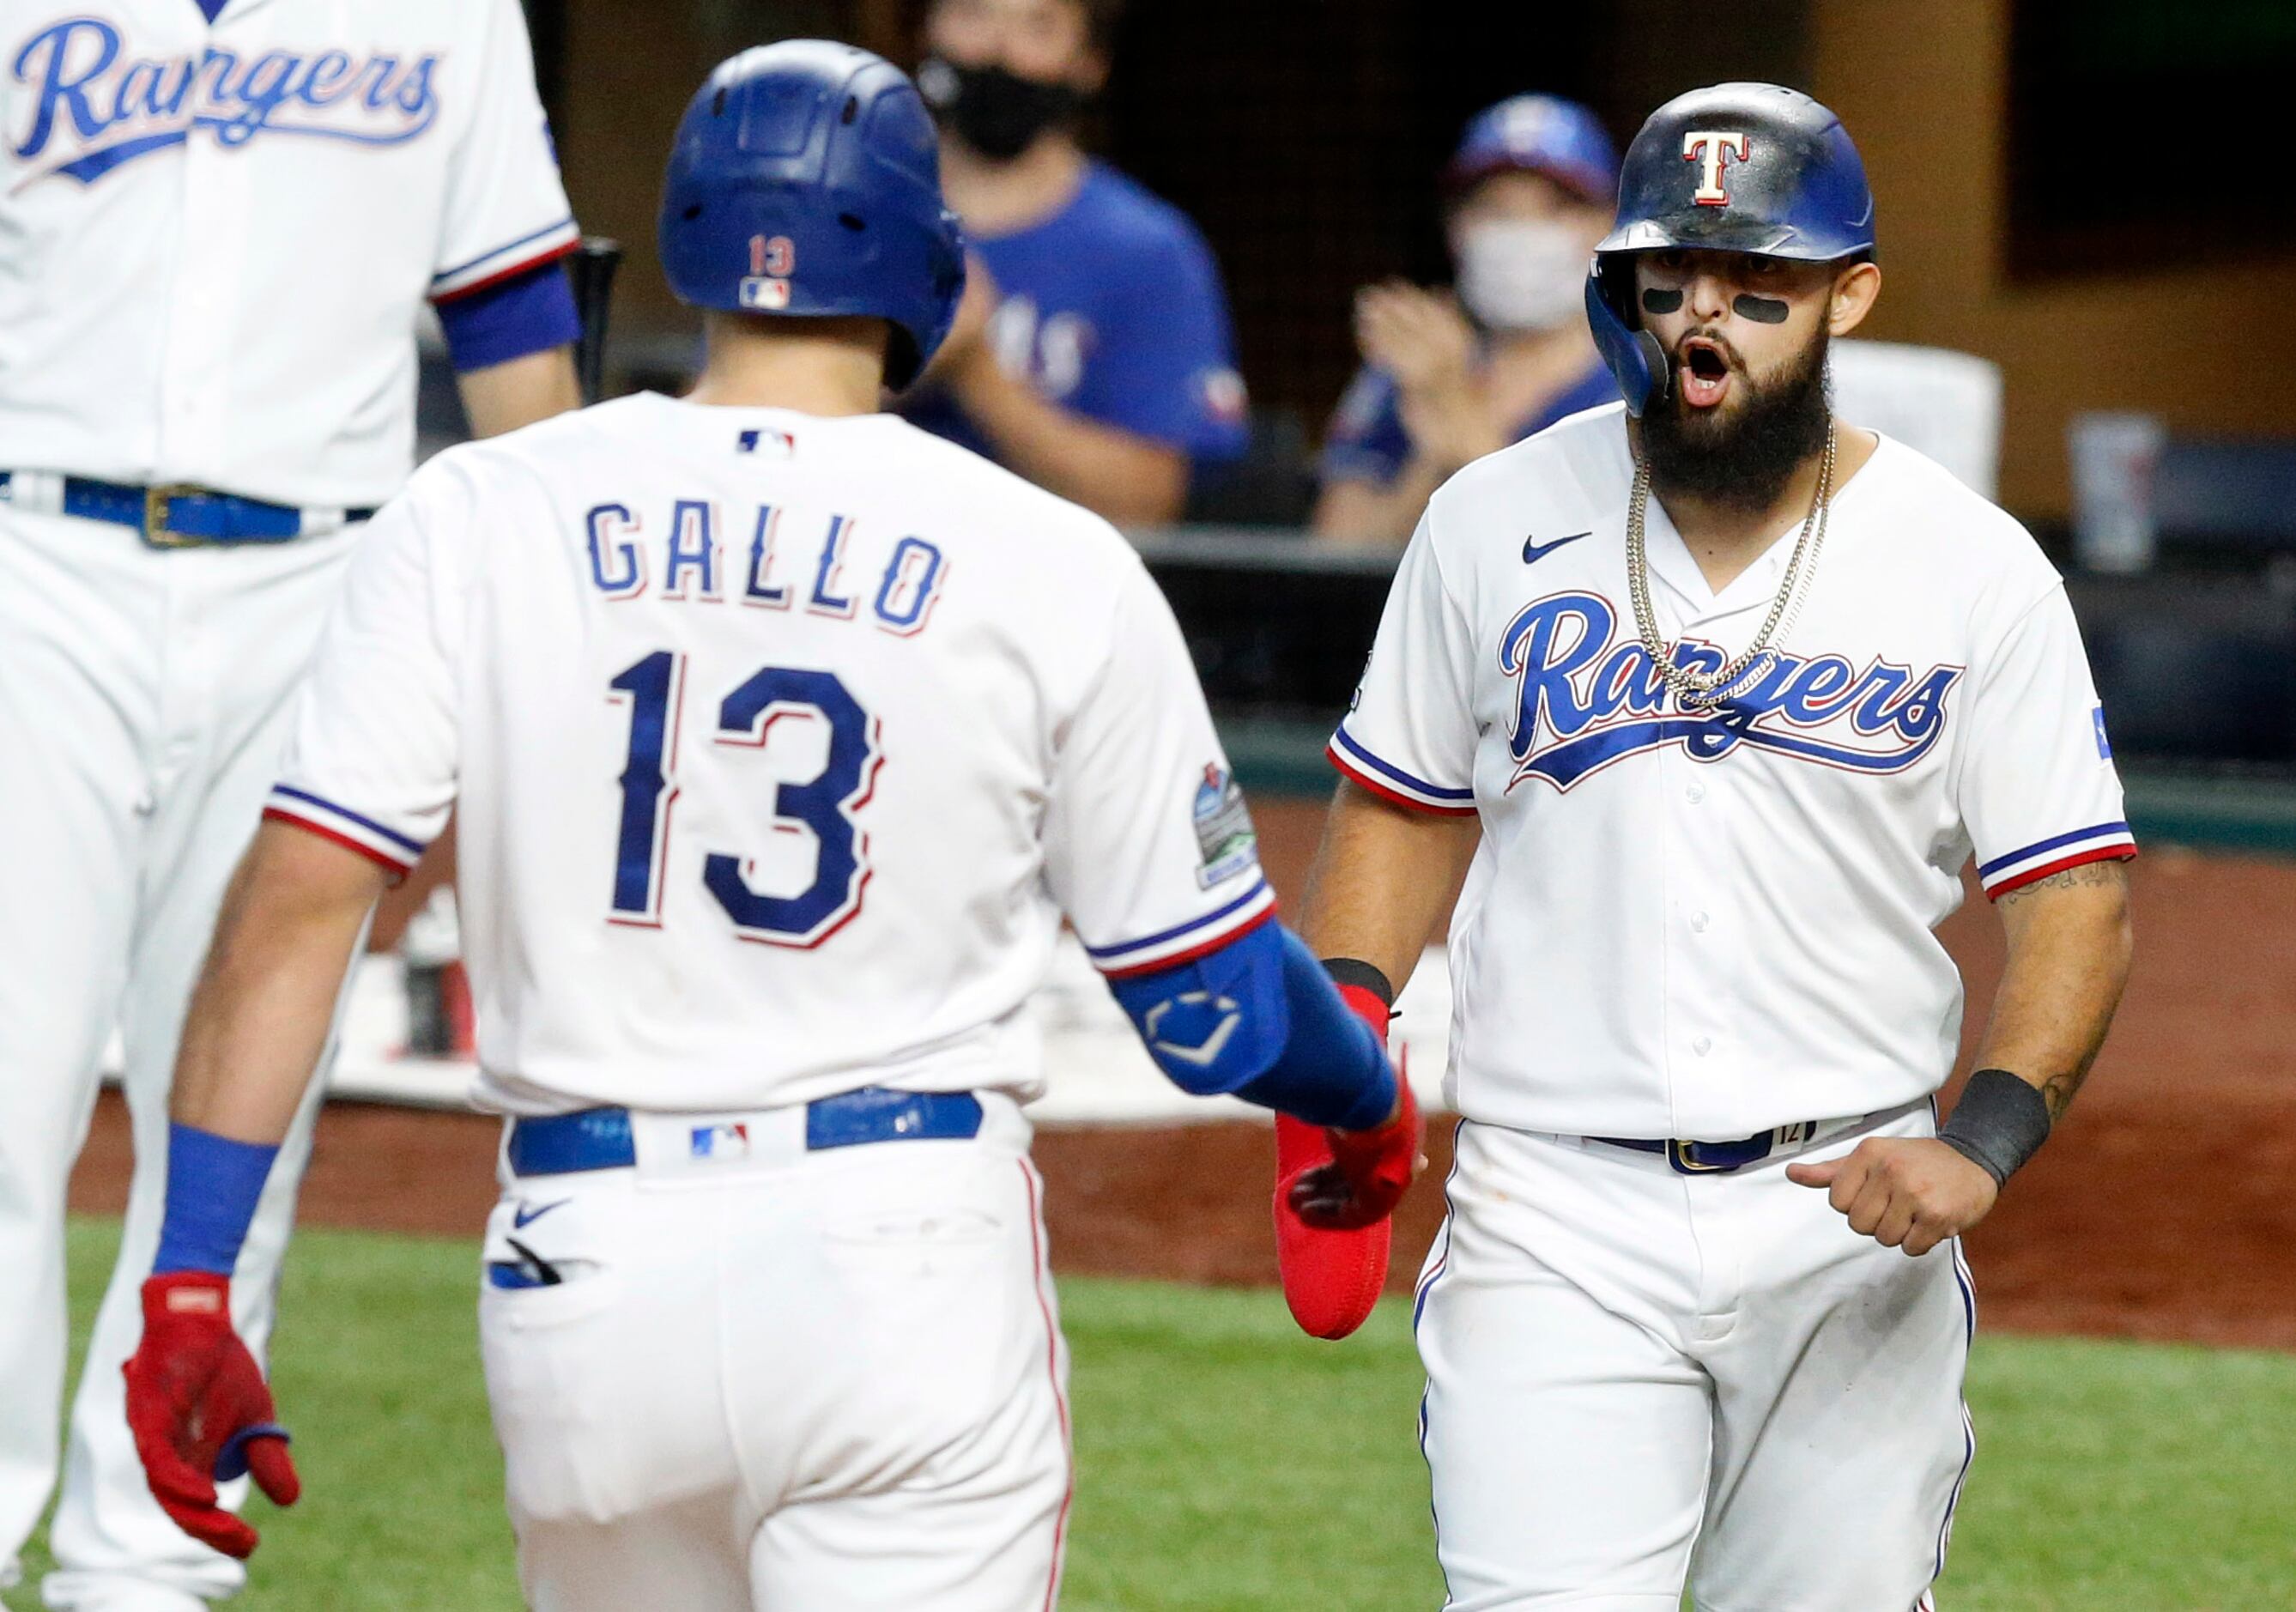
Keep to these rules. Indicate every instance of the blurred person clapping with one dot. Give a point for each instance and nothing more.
(1451, 376)
(1094, 355)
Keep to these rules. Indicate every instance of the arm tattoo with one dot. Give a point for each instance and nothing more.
(2088, 873)
(2059, 1090)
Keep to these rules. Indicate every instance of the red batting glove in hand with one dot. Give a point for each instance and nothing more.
(1368, 1171)
(1334, 1192)
(198, 1409)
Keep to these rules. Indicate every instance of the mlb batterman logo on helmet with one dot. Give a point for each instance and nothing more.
(1747, 167)
(805, 181)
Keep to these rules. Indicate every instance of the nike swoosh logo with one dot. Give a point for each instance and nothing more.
(1534, 551)
(522, 1216)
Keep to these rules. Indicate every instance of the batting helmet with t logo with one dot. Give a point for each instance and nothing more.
(806, 181)
(1749, 168)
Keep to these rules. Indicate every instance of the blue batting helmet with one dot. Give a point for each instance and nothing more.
(1749, 168)
(805, 181)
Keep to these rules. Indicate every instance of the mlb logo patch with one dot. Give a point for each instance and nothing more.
(2103, 745)
(771, 444)
(723, 1141)
(764, 291)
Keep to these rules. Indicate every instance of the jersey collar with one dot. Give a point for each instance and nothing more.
(1671, 564)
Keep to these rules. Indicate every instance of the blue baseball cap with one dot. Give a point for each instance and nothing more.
(1538, 135)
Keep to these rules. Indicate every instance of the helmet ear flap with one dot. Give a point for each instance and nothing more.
(1635, 359)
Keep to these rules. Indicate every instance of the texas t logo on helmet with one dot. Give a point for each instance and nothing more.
(1709, 147)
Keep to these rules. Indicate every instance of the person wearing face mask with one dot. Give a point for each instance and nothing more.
(1449, 379)
(1093, 354)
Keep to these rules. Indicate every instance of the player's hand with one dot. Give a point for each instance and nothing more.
(1368, 1171)
(199, 1411)
(1420, 338)
(1904, 1192)
(1425, 343)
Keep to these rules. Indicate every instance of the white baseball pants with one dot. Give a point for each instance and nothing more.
(1637, 1379)
(142, 695)
(800, 1382)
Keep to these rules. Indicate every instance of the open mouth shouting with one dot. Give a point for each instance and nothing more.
(1703, 369)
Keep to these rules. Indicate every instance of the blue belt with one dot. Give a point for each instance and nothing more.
(600, 1138)
(1711, 1158)
(181, 516)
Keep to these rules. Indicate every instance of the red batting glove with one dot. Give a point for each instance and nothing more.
(1334, 1192)
(1368, 1173)
(198, 1409)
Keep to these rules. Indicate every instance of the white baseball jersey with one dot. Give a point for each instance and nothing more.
(781, 743)
(1705, 925)
(213, 238)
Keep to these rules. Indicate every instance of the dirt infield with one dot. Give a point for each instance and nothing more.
(2164, 1209)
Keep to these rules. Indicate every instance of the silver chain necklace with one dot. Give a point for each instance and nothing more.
(1706, 689)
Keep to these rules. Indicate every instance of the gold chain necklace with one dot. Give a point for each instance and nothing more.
(1706, 689)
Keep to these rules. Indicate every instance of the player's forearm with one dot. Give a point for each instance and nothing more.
(1383, 877)
(259, 1019)
(1117, 475)
(519, 391)
(2069, 944)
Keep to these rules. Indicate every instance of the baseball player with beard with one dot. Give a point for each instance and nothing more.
(783, 734)
(218, 223)
(1711, 697)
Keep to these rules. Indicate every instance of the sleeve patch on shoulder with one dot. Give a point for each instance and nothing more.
(1226, 844)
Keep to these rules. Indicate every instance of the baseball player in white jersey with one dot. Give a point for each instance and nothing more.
(219, 219)
(1711, 697)
(782, 734)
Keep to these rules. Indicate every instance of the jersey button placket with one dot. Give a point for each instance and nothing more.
(218, 189)
(1704, 993)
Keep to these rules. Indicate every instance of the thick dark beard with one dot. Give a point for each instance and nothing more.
(1747, 462)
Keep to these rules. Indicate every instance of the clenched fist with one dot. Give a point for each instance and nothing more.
(1904, 1192)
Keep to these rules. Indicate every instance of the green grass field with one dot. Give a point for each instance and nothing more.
(1227, 1464)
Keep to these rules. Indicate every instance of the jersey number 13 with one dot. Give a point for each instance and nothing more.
(654, 688)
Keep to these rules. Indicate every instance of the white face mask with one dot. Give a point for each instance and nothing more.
(1520, 274)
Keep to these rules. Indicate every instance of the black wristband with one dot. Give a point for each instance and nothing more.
(1352, 971)
(1999, 1122)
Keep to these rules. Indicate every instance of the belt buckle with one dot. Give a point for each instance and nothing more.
(156, 499)
(1678, 1155)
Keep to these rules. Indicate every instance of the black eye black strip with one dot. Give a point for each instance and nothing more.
(1762, 310)
(1657, 302)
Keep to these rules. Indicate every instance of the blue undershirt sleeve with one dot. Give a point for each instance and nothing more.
(528, 313)
(1259, 1019)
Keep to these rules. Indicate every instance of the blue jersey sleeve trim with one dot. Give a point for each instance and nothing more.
(413, 847)
(1105, 954)
(2095, 831)
(529, 312)
(445, 275)
(1433, 791)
